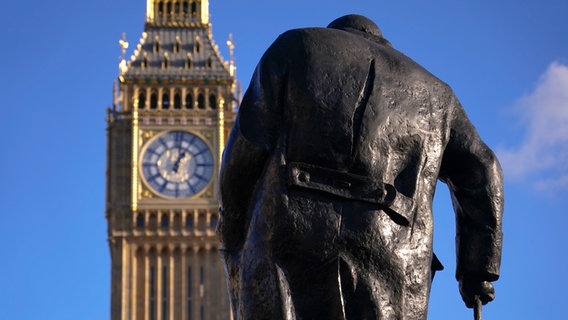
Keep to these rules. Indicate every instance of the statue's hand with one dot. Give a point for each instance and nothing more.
(474, 288)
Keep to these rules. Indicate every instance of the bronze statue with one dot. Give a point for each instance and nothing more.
(328, 178)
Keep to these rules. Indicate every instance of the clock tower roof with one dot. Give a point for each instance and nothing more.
(177, 43)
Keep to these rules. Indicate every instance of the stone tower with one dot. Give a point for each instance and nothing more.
(174, 104)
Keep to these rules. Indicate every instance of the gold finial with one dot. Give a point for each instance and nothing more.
(231, 46)
(122, 66)
(123, 45)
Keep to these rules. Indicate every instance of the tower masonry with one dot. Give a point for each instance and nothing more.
(174, 104)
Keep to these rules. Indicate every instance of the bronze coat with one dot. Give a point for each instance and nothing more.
(328, 178)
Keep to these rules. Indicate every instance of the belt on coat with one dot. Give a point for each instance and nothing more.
(350, 186)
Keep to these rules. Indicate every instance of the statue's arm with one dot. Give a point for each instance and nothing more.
(474, 178)
(250, 144)
(240, 171)
(251, 140)
(243, 162)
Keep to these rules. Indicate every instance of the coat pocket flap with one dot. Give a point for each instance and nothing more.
(350, 186)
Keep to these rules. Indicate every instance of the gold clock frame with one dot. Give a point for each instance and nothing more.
(145, 191)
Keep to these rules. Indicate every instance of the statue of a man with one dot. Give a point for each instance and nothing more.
(328, 178)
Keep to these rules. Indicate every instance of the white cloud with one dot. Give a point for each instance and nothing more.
(543, 153)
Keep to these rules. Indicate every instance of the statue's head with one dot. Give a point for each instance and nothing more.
(355, 22)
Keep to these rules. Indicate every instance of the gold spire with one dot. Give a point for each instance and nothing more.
(177, 12)
(149, 10)
(205, 11)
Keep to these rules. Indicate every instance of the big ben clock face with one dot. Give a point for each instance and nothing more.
(177, 164)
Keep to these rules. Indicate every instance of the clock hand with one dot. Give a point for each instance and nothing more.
(181, 155)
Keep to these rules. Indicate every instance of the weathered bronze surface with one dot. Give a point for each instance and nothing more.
(328, 178)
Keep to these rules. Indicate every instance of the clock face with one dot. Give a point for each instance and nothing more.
(177, 164)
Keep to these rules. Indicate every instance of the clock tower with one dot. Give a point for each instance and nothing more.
(174, 104)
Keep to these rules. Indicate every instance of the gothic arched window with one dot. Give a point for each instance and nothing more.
(165, 101)
(185, 7)
(177, 101)
(188, 101)
(212, 101)
(141, 100)
(189, 221)
(165, 221)
(176, 46)
(166, 63)
(160, 8)
(168, 8)
(201, 101)
(140, 220)
(153, 100)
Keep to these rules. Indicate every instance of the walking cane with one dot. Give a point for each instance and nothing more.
(477, 308)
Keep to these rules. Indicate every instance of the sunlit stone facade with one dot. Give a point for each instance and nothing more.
(174, 105)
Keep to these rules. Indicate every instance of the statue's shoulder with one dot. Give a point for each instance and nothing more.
(305, 45)
(294, 44)
(300, 43)
(316, 35)
(304, 35)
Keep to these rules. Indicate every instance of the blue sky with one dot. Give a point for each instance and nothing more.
(506, 60)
